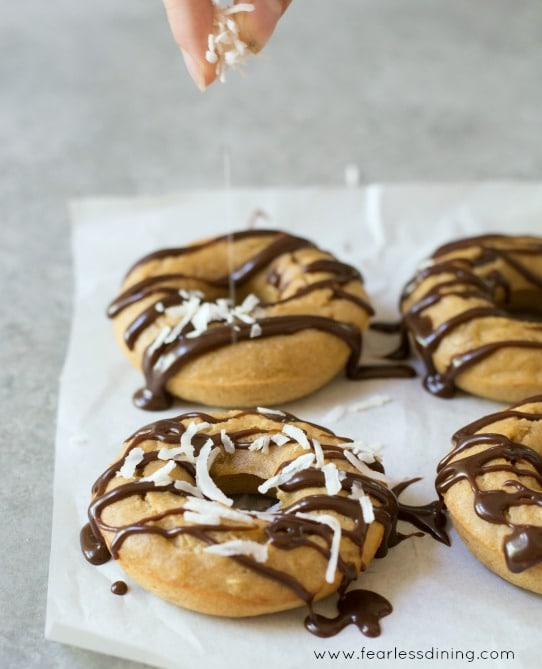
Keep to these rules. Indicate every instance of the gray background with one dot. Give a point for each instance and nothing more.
(95, 100)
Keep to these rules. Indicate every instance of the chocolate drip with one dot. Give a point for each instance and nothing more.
(522, 547)
(471, 277)
(362, 608)
(93, 546)
(287, 529)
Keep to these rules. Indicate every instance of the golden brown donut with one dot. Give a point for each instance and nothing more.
(491, 484)
(473, 313)
(165, 509)
(297, 320)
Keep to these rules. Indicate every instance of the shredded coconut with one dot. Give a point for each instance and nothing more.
(331, 477)
(225, 49)
(204, 511)
(319, 453)
(134, 457)
(255, 331)
(161, 476)
(297, 434)
(185, 486)
(332, 522)
(204, 480)
(338, 411)
(260, 444)
(367, 509)
(199, 314)
(365, 452)
(302, 462)
(239, 547)
(187, 448)
(364, 469)
(280, 439)
(277, 412)
(227, 442)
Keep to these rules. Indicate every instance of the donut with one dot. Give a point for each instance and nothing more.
(473, 313)
(257, 317)
(491, 486)
(169, 511)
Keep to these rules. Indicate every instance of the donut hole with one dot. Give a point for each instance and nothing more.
(524, 305)
(243, 489)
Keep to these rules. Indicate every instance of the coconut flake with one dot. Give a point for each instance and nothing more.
(204, 480)
(187, 448)
(161, 476)
(299, 464)
(264, 410)
(331, 478)
(333, 415)
(364, 469)
(297, 434)
(207, 512)
(255, 331)
(367, 509)
(239, 547)
(134, 457)
(160, 339)
(370, 403)
(319, 453)
(260, 444)
(185, 486)
(227, 442)
(338, 411)
(280, 439)
(332, 522)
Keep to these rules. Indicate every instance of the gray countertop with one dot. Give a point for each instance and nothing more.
(95, 101)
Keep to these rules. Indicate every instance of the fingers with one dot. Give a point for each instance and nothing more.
(255, 28)
(191, 21)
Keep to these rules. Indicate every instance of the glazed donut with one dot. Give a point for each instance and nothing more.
(165, 510)
(491, 485)
(473, 313)
(294, 304)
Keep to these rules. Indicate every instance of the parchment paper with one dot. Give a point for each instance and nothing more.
(448, 609)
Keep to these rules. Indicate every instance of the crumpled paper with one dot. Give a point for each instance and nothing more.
(447, 607)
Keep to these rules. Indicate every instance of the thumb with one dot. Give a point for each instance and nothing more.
(256, 27)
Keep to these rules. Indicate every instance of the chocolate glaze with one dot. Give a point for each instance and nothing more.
(467, 278)
(161, 362)
(362, 608)
(285, 531)
(522, 547)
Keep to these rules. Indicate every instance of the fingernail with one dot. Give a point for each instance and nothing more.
(194, 70)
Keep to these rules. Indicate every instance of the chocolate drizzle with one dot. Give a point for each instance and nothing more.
(288, 528)
(522, 546)
(161, 362)
(473, 276)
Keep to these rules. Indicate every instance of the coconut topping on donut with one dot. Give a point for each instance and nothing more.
(329, 513)
(175, 320)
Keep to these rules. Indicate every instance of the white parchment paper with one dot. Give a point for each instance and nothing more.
(448, 609)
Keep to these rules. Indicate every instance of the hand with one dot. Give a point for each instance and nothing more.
(191, 22)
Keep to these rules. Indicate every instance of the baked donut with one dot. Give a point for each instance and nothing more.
(473, 312)
(491, 485)
(165, 510)
(258, 317)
